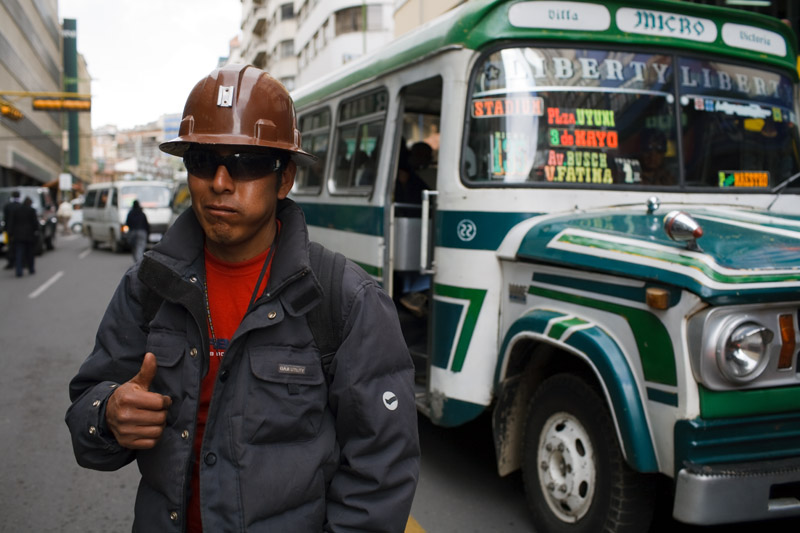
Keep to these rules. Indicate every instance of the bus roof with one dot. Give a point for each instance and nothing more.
(478, 23)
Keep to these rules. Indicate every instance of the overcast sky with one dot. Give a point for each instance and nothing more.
(144, 56)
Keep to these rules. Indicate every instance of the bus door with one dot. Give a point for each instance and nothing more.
(415, 179)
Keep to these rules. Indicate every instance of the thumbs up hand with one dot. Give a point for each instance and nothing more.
(135, 415)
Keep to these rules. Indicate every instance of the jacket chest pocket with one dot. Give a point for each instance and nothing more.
(286, 397)
(169, 348)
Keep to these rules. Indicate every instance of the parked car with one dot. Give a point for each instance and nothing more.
(45, 209)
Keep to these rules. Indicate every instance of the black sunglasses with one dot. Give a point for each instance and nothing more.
(245, 166)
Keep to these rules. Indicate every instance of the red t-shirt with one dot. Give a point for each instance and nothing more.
(230, 288)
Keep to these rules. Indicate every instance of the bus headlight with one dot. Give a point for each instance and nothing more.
(742, 351)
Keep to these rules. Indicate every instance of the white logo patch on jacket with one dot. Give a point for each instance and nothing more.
(390, 400)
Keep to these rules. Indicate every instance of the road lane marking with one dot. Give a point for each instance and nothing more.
(85, 253)
(413, 526)
(46, 285)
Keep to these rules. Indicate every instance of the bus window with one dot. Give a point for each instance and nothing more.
(365, 162)
(359, 134)
(738, 125)
(315, 128)
(571, 116)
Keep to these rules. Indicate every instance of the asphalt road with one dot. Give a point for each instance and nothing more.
(47, 331)
(48, 324)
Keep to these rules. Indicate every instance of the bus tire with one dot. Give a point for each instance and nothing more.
(576, 479)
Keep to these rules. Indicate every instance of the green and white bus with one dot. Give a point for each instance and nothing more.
(602, 248)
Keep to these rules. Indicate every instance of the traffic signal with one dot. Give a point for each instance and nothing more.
(52, 104)
(7, 109)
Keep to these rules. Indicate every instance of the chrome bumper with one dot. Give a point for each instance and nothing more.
(719, 494)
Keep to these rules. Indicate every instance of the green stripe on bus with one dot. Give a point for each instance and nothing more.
(626, 292)
(676, 258)
(474, 298)
(722, 404)
(660, 396)
(489, 228)
(736, 440)
(364, 219)
(558, 328)
(652, 339)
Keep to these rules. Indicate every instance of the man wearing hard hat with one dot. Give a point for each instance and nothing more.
(207, 367)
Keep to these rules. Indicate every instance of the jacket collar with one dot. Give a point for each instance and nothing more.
(178, 257)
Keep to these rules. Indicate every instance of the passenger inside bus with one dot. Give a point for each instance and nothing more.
(409, 184)
(408, 190)
(422, 161)
(653, 151)
(365, 169)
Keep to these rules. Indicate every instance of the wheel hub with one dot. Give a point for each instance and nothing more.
(567, 470)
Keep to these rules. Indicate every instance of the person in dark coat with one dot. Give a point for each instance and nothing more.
(138, 230)
(206, 369)
(9, 208)
(24, 226)
(409, 186)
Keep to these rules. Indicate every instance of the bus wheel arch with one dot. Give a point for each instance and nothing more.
(530, 363)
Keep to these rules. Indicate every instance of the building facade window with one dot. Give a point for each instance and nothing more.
(287, 11)
(351, 19)
(288, 82)
(286, 49)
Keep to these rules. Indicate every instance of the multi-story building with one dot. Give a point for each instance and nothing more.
(301, 40)
(134, 153)
(104, 152)
(30, 60)
(268, 31)
(334, 32)
(408, 14)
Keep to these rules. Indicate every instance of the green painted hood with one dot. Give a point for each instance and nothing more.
(744, 256)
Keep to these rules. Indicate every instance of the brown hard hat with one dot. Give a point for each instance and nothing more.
(242, 107)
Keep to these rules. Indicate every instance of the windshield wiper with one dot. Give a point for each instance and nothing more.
(779, 188)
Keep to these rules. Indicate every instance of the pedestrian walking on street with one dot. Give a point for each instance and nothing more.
(24, 226)
(8, 209)
(138, 230)
(64, 213)
(261, 382)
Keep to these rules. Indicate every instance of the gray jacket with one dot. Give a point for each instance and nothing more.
(283, 449)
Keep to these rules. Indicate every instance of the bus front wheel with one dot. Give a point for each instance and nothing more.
(576, 479)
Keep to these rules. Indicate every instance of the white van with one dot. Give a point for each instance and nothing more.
(107, 205)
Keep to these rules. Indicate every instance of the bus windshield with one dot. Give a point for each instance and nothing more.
(555, 116)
